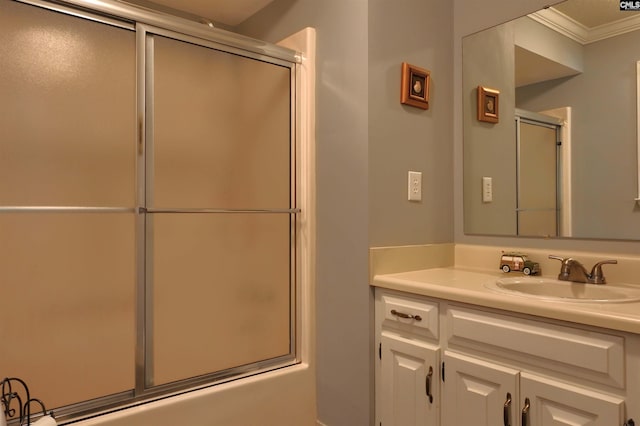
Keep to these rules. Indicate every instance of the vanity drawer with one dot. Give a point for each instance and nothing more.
(582, 353)
(409, 314)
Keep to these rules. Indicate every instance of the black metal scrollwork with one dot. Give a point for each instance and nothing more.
(9, 395)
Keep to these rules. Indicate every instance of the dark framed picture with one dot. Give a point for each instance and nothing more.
(415, 86)
(488, 104)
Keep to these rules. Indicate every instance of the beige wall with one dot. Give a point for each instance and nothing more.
(403, 138)
(489, 62)
(469, 17)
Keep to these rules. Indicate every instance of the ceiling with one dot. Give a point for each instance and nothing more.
(589, 13)
(592, 13)
(227, 12)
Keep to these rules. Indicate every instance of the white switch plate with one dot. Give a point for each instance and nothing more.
(487, 189)
(415, 186)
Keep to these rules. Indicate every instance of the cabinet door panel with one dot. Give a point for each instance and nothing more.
(555, 403)
(405, 378)
(475, 392)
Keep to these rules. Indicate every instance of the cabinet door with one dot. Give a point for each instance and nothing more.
(479, 393)
(555, 403)
(409, 389)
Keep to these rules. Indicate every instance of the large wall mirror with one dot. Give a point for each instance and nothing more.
(562, 159)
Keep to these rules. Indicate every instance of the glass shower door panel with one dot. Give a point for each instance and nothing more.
(220, 283)
(221, 292)
(67, 304)
(67, 139)
(221, 129)
(537, 223)
(537, 181)
(67, 110)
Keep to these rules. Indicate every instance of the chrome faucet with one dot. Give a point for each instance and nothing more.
(572, 270)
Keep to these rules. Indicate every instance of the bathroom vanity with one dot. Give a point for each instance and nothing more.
(450, 350)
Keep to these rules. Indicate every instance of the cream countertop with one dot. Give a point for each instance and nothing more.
(467, 286)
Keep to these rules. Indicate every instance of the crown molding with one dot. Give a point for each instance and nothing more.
(568, 27)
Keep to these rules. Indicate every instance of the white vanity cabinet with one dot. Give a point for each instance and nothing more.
(555, 374)
(408, 361)
(491, 367)
(485, 394)
(478, 392)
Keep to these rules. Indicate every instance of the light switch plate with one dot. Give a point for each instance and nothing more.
(487, 189)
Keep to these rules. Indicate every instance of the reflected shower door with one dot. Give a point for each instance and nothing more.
(537, 209)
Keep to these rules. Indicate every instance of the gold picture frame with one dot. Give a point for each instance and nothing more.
(488, 104)
(414, 89)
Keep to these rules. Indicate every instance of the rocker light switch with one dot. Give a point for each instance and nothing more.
(487, 190)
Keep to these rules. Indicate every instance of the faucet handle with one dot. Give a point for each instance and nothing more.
(564, 269)
(597, 277)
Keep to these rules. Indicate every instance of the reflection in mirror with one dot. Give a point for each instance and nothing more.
(538, 208)
(566, 75)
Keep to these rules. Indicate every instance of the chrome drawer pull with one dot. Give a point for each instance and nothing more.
(525, 412)
(407, 316)
(428, 385)
(507, 410)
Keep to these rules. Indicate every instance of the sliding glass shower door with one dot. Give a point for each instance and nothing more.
(147, 209)
(538, 207)
(219, 228)
(67, 204)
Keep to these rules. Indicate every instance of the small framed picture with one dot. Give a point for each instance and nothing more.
(488, 104)
(415, 86)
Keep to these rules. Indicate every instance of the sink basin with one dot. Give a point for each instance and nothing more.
(552, 289)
